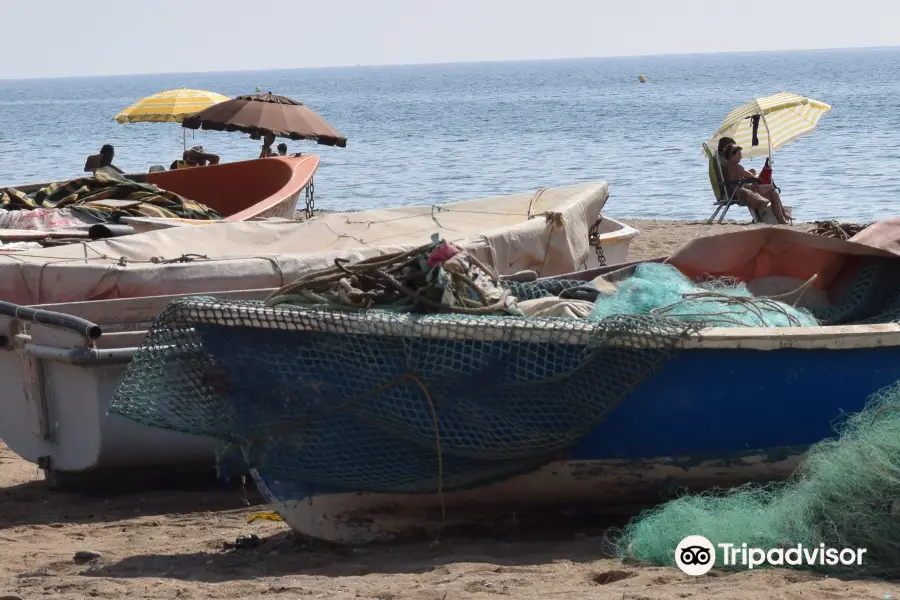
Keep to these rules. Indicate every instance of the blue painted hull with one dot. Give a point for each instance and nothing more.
(739, 415)
(708, 403)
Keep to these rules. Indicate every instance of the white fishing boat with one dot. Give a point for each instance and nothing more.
(64, 362)
(91, 304)
(551, 231)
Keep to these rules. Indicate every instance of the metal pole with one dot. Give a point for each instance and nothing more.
(768, 137)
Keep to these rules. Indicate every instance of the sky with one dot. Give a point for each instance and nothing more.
(67, 38)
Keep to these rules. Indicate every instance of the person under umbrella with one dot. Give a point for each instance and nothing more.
(195, 157)
(266, 150)
(756, 195)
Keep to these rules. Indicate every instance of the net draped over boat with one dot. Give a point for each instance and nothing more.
(343, 398)
(385, 402)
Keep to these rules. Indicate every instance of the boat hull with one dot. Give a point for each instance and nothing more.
(244, 190)
(588, 486)
(712, 416)
(54, 408)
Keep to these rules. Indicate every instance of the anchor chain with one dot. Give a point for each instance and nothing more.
(310, 198)
(594, 240)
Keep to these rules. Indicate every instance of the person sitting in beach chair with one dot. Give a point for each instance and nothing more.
(720, 152)
(718, 166)
(102, 160)
(747, 187)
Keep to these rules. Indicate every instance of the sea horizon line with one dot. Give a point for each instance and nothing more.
(448, 63)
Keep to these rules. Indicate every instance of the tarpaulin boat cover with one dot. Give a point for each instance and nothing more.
(545, 231)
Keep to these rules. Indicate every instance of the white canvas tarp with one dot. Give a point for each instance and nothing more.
(546, 231)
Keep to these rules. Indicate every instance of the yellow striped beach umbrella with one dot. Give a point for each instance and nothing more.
(767, 124)
(169, 107)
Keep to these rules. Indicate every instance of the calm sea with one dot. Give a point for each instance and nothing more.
(424, 134)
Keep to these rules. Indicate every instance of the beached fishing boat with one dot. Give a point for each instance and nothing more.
(237, 191)
(244, 190)
(551, 231)
(66, 361)
(55, 415)
(372, 425)
(677, 432)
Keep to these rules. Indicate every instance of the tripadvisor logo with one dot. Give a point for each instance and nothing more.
(696, 555)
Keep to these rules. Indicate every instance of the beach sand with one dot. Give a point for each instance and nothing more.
(660, 238)
(169, 544)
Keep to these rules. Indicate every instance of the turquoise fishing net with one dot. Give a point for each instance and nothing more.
(662, 290)
(380, 401)
(846, 494)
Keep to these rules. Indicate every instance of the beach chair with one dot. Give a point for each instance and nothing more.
(723, 199)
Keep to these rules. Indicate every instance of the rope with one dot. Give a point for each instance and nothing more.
(385, 280)
(749, 304)
(437, 441)
(835, 229)
(537, 194)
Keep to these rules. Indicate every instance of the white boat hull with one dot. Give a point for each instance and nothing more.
(53, 410)
(66, 428)
(360, 518)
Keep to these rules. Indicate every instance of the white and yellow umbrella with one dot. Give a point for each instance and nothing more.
(778, 120)
(169, 107)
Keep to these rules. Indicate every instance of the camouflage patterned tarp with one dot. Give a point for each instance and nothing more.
(86, 194)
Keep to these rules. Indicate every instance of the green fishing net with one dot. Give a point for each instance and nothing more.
(846, 494)
(662, 290)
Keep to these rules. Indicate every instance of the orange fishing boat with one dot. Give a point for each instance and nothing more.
(238, 191)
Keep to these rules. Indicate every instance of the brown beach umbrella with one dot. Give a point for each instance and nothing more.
(259, 114)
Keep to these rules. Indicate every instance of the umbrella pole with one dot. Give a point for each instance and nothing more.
(184, 138)
(768, 136)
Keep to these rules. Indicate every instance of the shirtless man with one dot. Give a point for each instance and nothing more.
(104, 159)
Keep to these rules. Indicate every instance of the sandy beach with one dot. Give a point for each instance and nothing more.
(170, 544)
